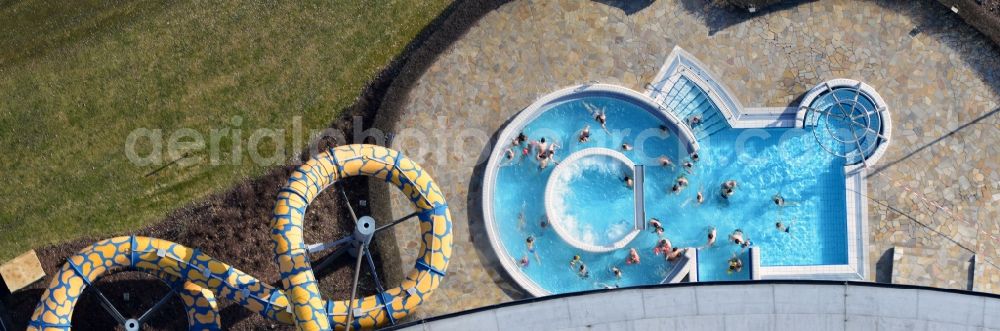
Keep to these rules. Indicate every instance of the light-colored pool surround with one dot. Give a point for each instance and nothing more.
(551, 199)
(681, 64)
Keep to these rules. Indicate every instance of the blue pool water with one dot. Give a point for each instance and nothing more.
(592, 202)
(847, 123)
(764, 162)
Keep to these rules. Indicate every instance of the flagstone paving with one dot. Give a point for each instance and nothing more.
(938, 180)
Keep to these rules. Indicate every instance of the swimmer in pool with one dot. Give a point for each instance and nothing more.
(628, 181)
(694, 120)
(675, 253)
(584, 134)
(695, 157)
(711, 237)
(689, 167)
(657, 226)
(530, 242)
(700, 197)
(664, 246)
(737, 237)
(521, 138)
(626, 147)
(786, 228)
(681, 184)
(735, 264)
(633, 256)
(524, 261)
(778, 200)
(617, 272)
(574, 261)
(583, 273)
(599, 115)
(665, 161)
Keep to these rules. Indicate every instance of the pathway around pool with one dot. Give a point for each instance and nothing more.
(941, 83)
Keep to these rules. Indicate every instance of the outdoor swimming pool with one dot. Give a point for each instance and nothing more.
(798, 200)
(597, 206)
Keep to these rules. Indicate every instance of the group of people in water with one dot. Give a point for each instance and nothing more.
(544, 151)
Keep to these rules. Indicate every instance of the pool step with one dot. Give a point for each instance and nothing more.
(935, 267)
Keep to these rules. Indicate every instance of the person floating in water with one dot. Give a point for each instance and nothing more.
(633, 256)
(664, 246)
(657, 226)
(695, 157)
(574, 261)
(786, 228)
(681, 184)
(599, 115)
(583, 273)
(543, 160)
(584, 134)
(617, 272)
(689, 167)
(735, 264)
(525, 261)
(544, 222)
(736, 237)
(694, 120)
(728, 189)
(665, 161)
(711, 237)
(530, 242)
(700, 197)
(519, 140)
(626, 147)
(628, 181)
(780, 201)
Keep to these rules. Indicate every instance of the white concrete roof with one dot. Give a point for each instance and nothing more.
(810, 305)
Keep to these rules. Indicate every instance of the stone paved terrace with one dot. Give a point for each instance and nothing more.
(940, 78)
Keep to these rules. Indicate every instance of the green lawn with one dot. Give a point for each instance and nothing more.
(77, 77)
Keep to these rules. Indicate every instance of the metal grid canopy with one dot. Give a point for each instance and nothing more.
(846, 122)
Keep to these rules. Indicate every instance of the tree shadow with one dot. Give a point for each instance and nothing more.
(718, 19)
(477, 224)
(930, 19)
(628, 6)
(944, 137)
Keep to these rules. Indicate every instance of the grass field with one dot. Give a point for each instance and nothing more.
(76, 79)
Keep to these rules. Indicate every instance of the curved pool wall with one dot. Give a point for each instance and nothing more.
(528, 114)
(865, 91)
(557, 189)
(681, 67)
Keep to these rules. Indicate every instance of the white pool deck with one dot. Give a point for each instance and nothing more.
(813, 306)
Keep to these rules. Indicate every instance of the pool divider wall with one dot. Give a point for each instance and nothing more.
(551, 198)
(685, 267)
(755, 263)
